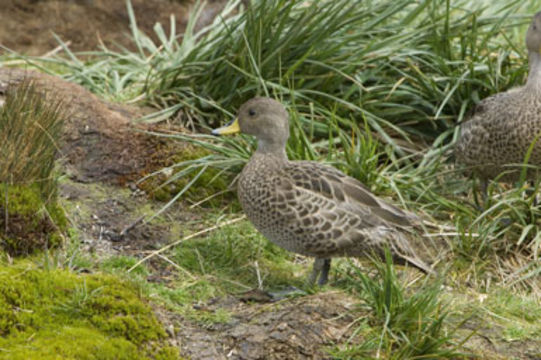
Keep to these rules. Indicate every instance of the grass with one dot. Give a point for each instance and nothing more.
(517, 314)
(374, 88)
(406, 321)
(30, 130)
(231, 260)
(408, 68)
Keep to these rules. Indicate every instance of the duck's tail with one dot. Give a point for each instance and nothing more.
(407, 248)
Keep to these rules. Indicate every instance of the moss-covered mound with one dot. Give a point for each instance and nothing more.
(163, 186)
(27, 222)
(56, 314)
(30, 130)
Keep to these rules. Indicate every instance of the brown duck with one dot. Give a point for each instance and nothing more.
(310, 208)
(495, 140)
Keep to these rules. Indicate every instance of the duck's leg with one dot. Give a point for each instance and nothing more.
(324, 272)
(483, 190)
(320, 269)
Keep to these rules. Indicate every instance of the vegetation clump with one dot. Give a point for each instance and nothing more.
(211, 185)
(30, 128)
(27, 222)
(407, 324)
(54, 313)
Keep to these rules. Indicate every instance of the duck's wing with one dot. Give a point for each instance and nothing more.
(345, 191)
(332, 214)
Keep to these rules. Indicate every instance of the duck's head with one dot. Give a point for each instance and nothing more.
(533, 35)
(264, 118)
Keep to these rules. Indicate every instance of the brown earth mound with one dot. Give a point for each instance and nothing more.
(28, 25)
(100, 143)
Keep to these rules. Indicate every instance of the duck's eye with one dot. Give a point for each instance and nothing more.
(251, 112)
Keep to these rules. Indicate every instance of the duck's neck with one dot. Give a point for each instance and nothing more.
(534, 75)
(275, 149)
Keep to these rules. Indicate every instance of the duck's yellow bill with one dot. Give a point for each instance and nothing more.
(231, 128)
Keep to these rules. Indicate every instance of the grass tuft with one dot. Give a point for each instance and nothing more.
(30, 129)
(406, 321)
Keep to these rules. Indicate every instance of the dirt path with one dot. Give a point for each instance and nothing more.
(300, 328)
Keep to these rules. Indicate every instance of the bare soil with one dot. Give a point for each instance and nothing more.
(27, 26)
(109, 219)
(300, 328)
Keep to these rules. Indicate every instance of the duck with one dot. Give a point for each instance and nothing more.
(310, 208)
(494, 141)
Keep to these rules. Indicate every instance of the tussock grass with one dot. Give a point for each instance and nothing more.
(409, 68)
(406, 321)
(30, 128)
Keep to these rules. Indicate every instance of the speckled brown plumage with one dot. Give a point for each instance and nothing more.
(310, 208)
(496, 138)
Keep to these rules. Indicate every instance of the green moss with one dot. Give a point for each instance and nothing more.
(166, 353)
(57, 314)
(32, 222)
(73, 343)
